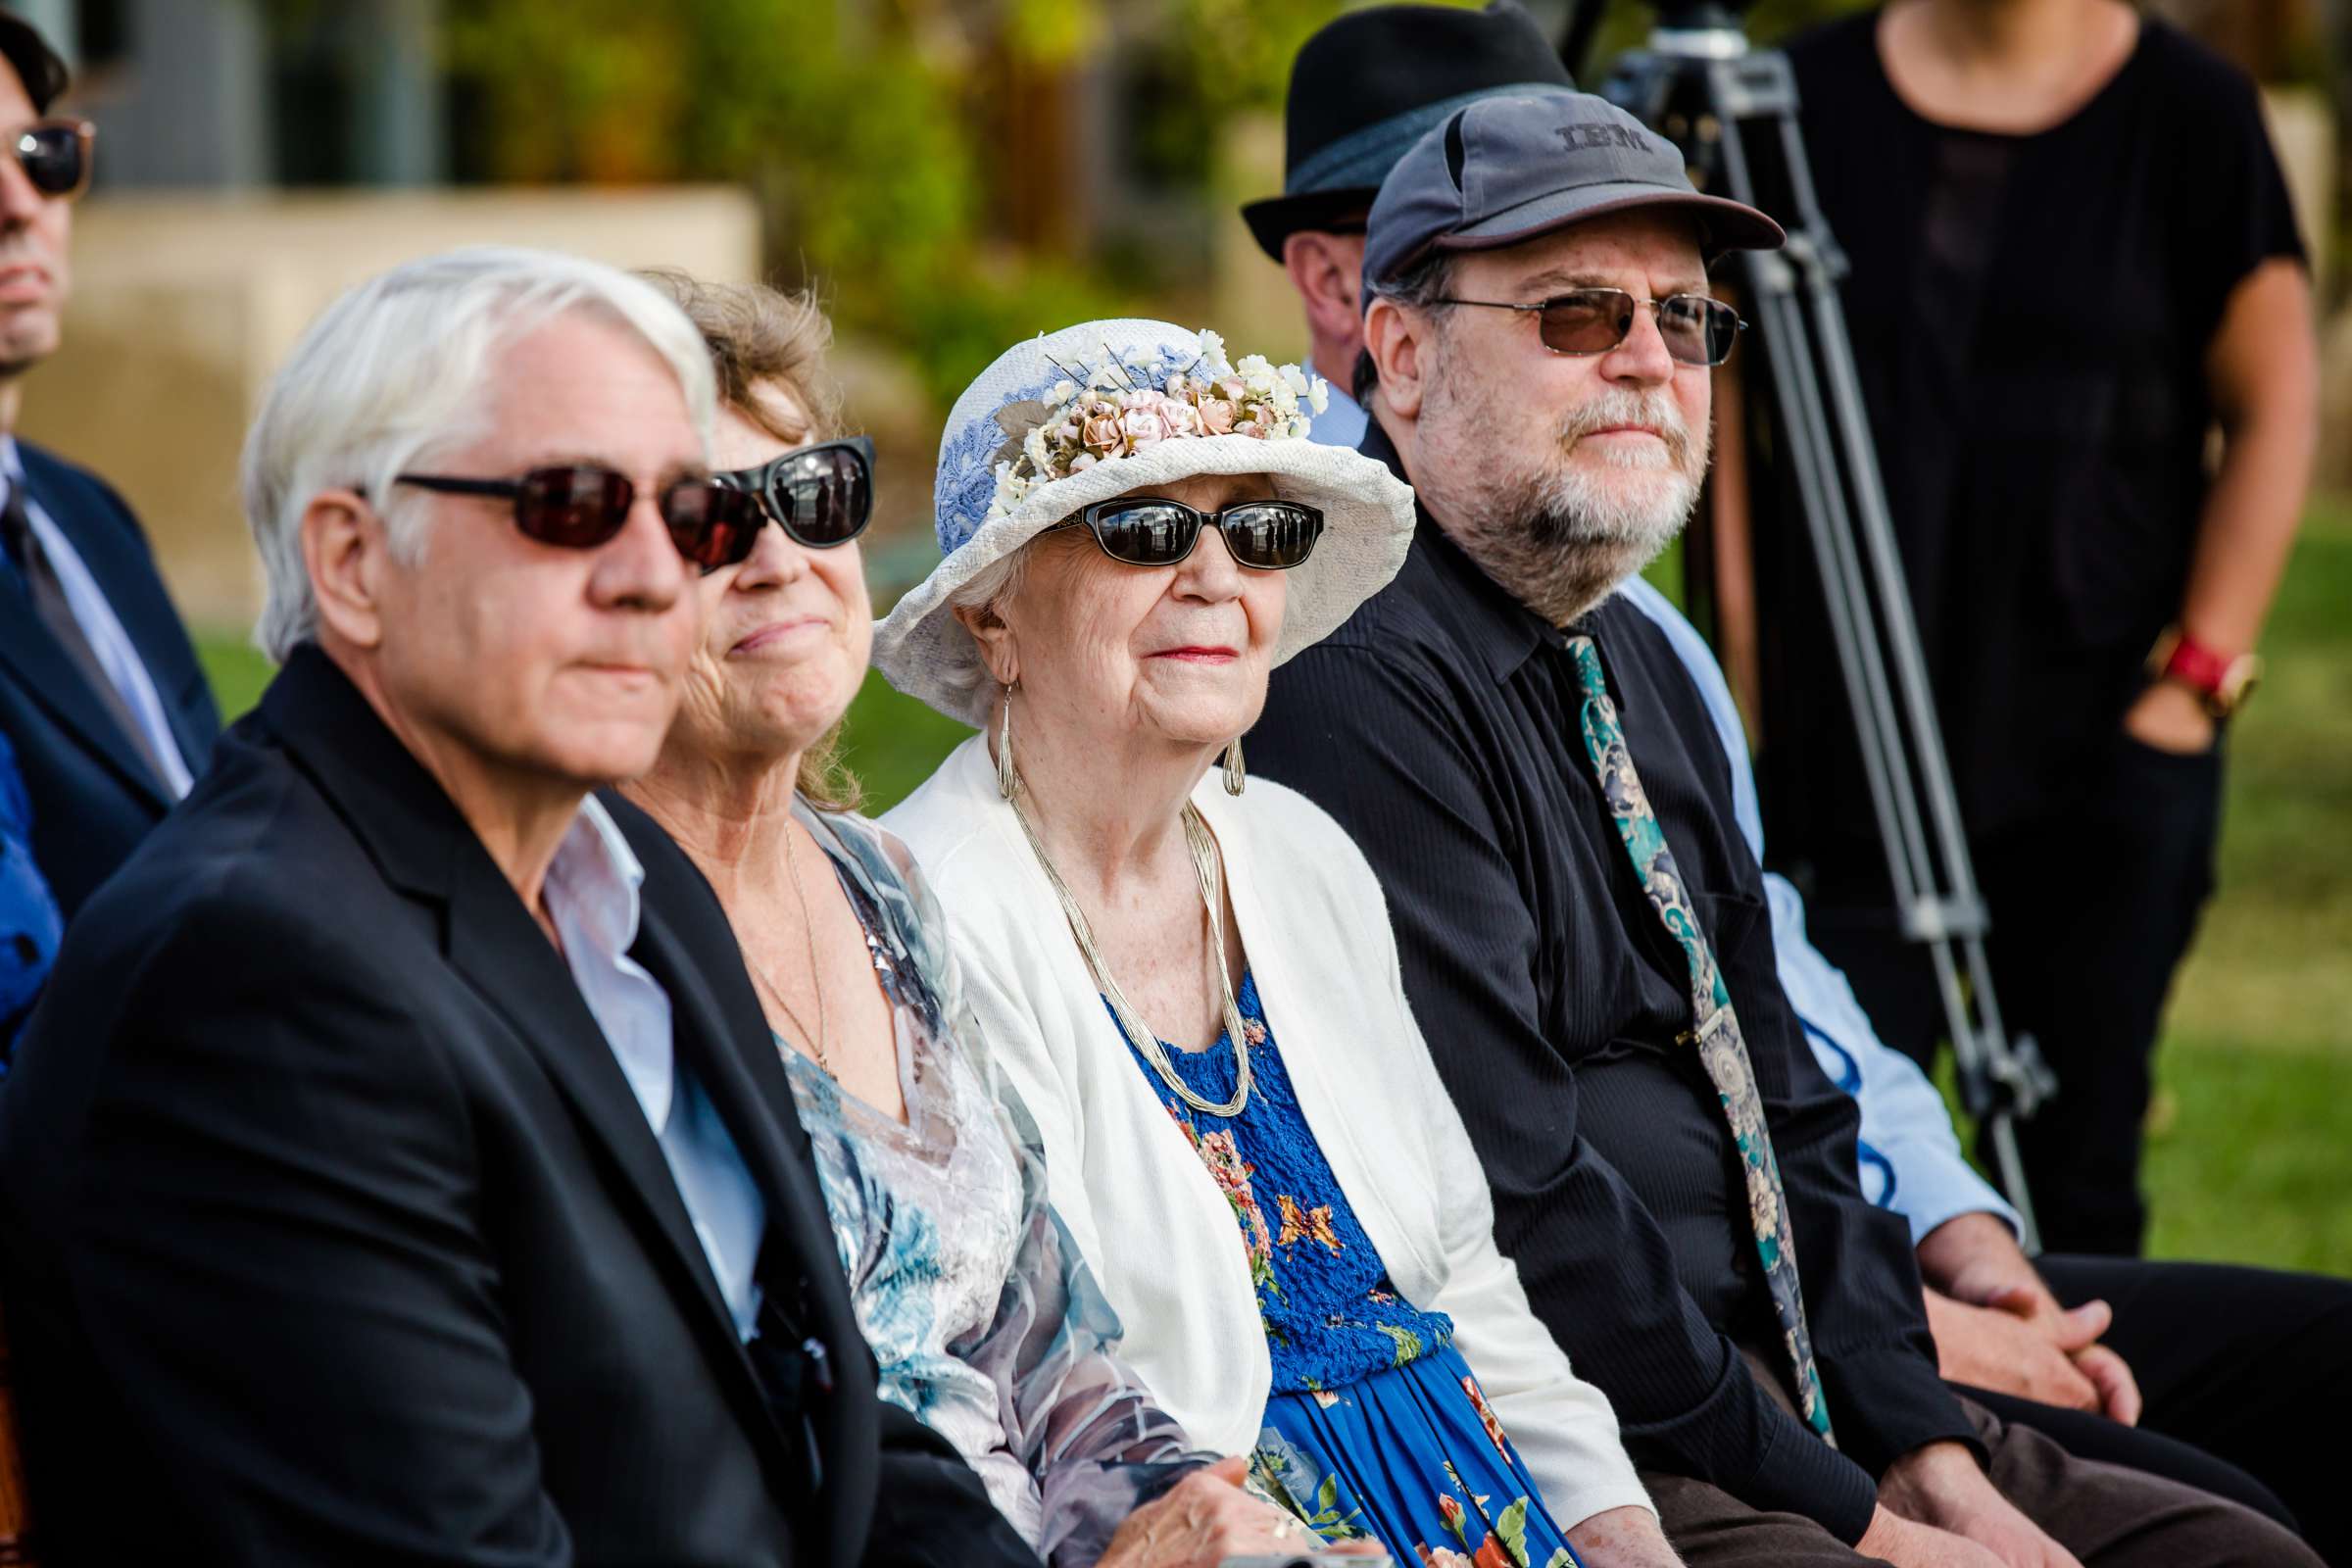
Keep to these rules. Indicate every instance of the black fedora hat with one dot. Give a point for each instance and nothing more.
(38, 66)
(1366, 86)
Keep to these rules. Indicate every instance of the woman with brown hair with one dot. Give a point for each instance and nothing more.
(982, 1318)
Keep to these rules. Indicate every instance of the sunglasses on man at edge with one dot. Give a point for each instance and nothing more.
(824, 496)
(55, 156)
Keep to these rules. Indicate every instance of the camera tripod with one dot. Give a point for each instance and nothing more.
(1732, 110)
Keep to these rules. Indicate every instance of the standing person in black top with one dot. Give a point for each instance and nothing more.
(399, 1168)
(1527, 764)
(2073, 255)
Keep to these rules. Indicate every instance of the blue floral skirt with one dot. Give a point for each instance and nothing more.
(1413, 1459)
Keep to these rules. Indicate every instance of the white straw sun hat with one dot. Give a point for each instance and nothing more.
(1093, 411)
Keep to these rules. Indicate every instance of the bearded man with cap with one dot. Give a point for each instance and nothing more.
(2115, 1358)
(1534, 775)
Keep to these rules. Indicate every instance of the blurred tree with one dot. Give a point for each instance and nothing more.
(919, 157)
(864, 128)
(1239, 51)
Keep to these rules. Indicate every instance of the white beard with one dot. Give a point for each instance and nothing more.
(1562, 540)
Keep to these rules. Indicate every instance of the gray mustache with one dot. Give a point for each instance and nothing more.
(1656, 410)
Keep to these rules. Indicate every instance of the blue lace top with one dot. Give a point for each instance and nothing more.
(1331, 1314)
(984, 1321)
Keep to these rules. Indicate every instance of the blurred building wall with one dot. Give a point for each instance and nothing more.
(184, 305)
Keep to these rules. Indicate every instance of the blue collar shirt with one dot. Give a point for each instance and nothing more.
(592, 895)
(1909, 1156)
(1341, 421)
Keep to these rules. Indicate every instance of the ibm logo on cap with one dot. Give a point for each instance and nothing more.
(1582, 133)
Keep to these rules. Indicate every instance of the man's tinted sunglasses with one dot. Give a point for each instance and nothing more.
(580, 507)
(55, 155)
(1697, 330)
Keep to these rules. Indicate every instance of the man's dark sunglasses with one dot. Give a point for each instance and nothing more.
(821, 496)
(1151, 531)
(55, 155)
(1697, 330)
(579, 507)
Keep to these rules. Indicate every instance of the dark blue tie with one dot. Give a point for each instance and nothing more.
(49, 601)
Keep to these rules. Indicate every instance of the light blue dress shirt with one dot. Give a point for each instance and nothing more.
(592, 896)
(1910, 1158)
(1341, 424)
(116, 653)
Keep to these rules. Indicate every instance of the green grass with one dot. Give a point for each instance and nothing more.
(236, 669)
(2250, 1150)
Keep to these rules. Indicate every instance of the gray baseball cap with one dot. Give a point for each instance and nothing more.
(1508, 169)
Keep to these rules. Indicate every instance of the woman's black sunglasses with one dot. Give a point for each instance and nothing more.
(55, 155)
(579, 507)
(821, 496)
(1153, 531)
(1697, 330)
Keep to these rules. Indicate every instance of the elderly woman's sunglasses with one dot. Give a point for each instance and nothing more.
(821, 496)
(55, 155)
(1697, 330)
(580, 507)
(1152, 531)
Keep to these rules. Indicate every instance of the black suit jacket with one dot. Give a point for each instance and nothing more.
(93, 796)
(334, 1233)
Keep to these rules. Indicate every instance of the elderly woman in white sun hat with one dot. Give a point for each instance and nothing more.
(1296, 1235)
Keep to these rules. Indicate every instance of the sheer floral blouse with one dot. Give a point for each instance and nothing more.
(983, 1317)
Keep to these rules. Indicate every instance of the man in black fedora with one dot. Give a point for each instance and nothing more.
(1362, 90)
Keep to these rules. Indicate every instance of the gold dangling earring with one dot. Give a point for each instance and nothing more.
(1237, 773)
(1009, 783)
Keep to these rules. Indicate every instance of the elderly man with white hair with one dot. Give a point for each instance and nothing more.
(397, 1169)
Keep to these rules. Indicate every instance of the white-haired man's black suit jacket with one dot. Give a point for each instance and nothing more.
(334, 1233)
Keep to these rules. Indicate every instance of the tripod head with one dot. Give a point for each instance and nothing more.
(1700, 30)
(1704, 29)
(1696, 15)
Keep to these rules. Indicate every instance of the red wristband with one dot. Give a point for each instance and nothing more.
(2195, 666)
(2221, 681)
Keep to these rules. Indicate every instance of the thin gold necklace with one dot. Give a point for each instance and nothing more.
(1206, 866)
(792, 862)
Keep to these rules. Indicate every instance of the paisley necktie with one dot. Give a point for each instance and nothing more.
(1715, 1026)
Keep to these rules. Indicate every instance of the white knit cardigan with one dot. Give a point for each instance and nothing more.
(1144, 1212)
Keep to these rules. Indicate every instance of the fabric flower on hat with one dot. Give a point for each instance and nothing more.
(1114, 408)
(1143, 426)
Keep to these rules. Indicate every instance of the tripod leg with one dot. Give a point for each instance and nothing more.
(1817, 402)
(1996, 1082)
